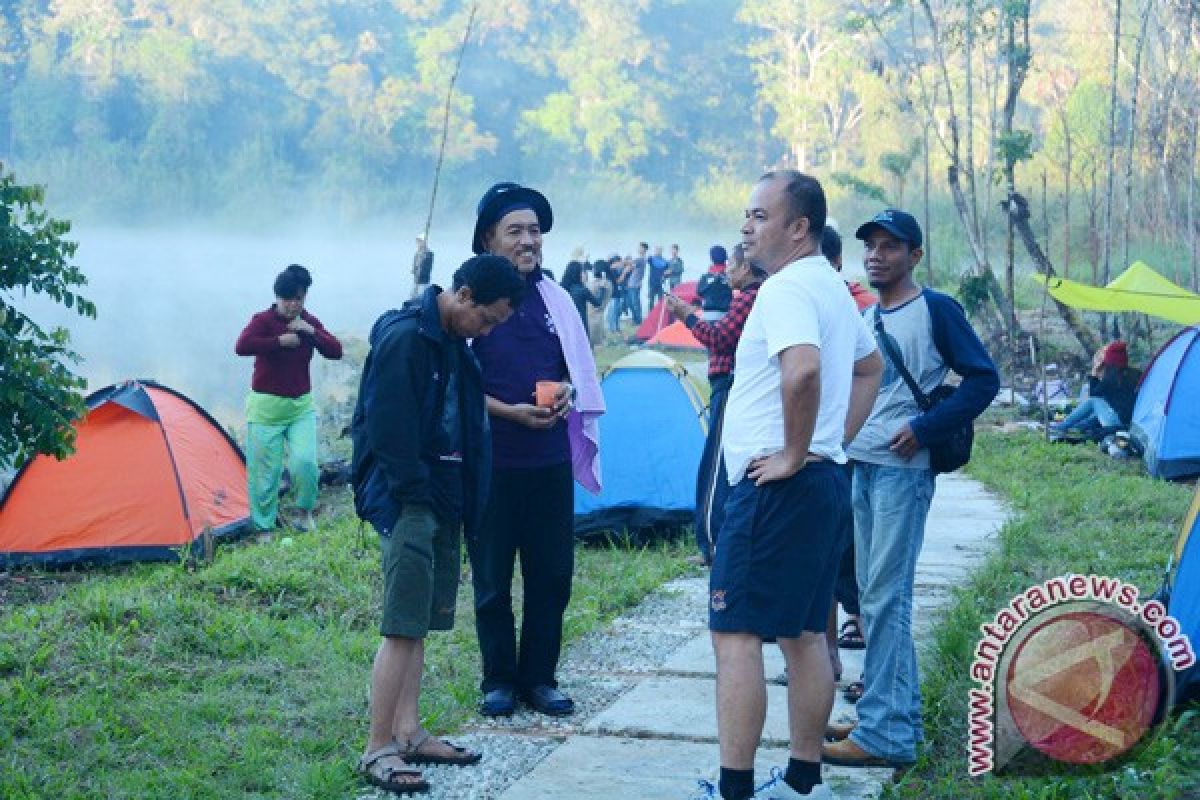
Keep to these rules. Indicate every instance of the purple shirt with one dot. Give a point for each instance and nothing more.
(516, 355)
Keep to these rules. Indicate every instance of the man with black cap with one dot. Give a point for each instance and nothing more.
(544, 400)
(925, 333)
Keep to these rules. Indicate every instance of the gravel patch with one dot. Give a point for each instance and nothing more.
(595, 671)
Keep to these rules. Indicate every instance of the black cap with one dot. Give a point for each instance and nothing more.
(900, 224)
(502, 198)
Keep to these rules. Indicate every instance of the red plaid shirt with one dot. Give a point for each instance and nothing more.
(721, 337)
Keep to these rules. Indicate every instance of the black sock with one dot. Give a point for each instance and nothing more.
(736, 784)
(802, 775)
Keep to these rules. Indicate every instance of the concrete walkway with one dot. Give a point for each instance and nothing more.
(658, 737)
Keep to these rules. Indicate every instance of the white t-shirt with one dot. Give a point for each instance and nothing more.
(805, 303)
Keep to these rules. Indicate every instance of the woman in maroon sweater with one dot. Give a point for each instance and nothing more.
(279, 408)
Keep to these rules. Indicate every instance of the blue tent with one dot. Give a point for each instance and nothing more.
(651, 438)
(1181, 593)
(1165, 423)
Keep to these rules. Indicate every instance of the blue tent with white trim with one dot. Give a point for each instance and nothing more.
(651, 437)
(1165, 422)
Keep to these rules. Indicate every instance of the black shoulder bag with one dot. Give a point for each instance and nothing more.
(952, 452)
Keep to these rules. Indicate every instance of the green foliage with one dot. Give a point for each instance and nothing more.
(859, 186)
(1075, 510)
(247, 677)
(39, 394)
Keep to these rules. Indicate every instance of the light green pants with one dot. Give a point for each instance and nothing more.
(264, 466)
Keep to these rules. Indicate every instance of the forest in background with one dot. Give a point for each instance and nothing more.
(1073, 120)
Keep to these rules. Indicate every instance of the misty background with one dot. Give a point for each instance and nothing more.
(199, 146)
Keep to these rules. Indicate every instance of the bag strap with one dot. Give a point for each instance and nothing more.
(889, 347)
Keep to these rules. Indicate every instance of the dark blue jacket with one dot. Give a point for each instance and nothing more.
(397, 427)
(962, 351)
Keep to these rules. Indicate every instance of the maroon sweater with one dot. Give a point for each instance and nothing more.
(278, 370)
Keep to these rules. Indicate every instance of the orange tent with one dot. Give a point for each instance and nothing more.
(676, 336)
(151, 472)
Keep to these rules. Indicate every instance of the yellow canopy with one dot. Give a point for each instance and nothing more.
(1138, 288)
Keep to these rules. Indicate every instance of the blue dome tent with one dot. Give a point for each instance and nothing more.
(1165, 423)
(1181, 594)
(651, 435)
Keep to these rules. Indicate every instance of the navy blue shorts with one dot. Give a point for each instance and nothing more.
(777, 554)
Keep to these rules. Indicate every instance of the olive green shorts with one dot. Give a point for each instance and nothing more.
(422, 559)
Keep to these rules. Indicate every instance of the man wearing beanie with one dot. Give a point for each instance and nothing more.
(714, 289)
(544, 403)
(924, 333)
(1112, 392)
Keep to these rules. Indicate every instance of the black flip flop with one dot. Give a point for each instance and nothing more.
(850, 637)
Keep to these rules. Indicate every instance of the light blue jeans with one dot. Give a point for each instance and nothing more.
(1093, 409)
(890, 506)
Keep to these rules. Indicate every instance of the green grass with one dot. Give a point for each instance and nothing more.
(1075, 510)
(243, 678)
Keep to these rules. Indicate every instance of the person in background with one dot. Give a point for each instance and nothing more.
(845, 592)
(635, 273)
(720, 338)
(422, 268)
(541, 439)
(1111, 394)
(616, 304)
(420, 467)
(657, 266)
(581, 293)
(831, 248)
(714, 290)
(674, 268)
(279, 409)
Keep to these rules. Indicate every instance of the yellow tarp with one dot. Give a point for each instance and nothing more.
(1138, 289)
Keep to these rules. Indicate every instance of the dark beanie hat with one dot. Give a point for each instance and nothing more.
(504, 198)
(717, 254)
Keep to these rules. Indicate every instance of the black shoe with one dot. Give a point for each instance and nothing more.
(547, 700)
(501, 702)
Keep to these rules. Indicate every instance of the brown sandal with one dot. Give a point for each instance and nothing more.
(385, 777)
(412, 753)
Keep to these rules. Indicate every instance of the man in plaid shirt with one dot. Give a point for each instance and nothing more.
(721, 340)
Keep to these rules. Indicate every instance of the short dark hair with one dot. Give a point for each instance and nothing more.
(831, 244)
(805, 197)
(573, 274)
(292, 282)
(643, 244)
(490, 278)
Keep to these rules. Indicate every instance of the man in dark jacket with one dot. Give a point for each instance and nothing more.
(421, 461)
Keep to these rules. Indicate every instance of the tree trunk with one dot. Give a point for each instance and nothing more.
(929, 243)
(1112, 151)
(1133, 109)
(1018, 214)
(1066, 264)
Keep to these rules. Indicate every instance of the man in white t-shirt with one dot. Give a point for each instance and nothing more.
(807, 371)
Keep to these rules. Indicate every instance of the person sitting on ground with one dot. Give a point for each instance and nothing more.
(721, 340)
(279, 408)
(713, 290)
(1112, 391)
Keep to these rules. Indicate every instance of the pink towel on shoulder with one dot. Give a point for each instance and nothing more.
(583, 423)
